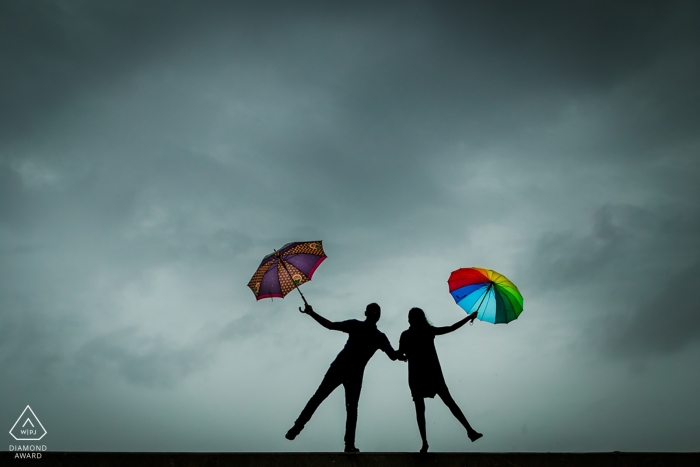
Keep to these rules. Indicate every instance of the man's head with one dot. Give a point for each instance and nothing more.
(373, 312)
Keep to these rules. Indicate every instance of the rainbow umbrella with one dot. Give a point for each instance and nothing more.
(492, 295)
(287, 268)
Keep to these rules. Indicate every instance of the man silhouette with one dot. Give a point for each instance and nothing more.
(348, 367)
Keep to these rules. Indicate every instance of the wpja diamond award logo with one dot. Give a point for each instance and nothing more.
(28, 428)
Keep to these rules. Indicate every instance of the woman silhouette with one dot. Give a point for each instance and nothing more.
(424, 373)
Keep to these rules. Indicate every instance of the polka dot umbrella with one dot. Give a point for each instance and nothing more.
(492, 295)
(286, 269)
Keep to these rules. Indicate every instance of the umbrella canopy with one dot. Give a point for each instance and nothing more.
(492, 295)
(285, 269)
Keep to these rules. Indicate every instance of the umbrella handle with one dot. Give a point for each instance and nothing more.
(305, 302)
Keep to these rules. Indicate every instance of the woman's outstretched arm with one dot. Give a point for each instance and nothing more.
(454, 327)
(402, 349)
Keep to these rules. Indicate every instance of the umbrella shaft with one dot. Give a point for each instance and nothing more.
(290, 278)
(484, 296)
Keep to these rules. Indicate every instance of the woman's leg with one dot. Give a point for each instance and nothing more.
(420, 418)
(446, 397)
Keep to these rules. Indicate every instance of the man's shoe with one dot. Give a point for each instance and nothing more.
(293, 432)
(351, 449)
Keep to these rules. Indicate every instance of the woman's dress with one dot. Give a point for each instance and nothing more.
(424, 373)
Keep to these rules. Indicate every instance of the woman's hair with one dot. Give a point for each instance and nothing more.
(416, 317)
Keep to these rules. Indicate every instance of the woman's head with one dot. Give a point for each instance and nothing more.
(416, 317)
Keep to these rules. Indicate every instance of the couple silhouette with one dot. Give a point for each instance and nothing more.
(416, 346)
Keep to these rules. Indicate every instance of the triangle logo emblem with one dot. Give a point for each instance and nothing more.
(28, 427)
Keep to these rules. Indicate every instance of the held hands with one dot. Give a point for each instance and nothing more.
(307, 309)
(472, 317)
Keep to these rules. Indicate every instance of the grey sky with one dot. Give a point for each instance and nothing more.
(151, 153)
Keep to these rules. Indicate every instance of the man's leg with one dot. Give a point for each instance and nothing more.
(331, 381)
(353, 386)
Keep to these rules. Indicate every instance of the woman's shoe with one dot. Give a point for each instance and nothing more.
(294, 432)
(424, 448)
(474, 435)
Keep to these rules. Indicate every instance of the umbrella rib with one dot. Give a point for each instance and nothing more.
(281, 261)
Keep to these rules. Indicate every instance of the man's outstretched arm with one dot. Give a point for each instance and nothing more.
(457, 325)
(320, 319)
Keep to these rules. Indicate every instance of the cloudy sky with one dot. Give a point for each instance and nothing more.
(152, 152)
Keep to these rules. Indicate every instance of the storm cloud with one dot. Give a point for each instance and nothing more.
(151, 153)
